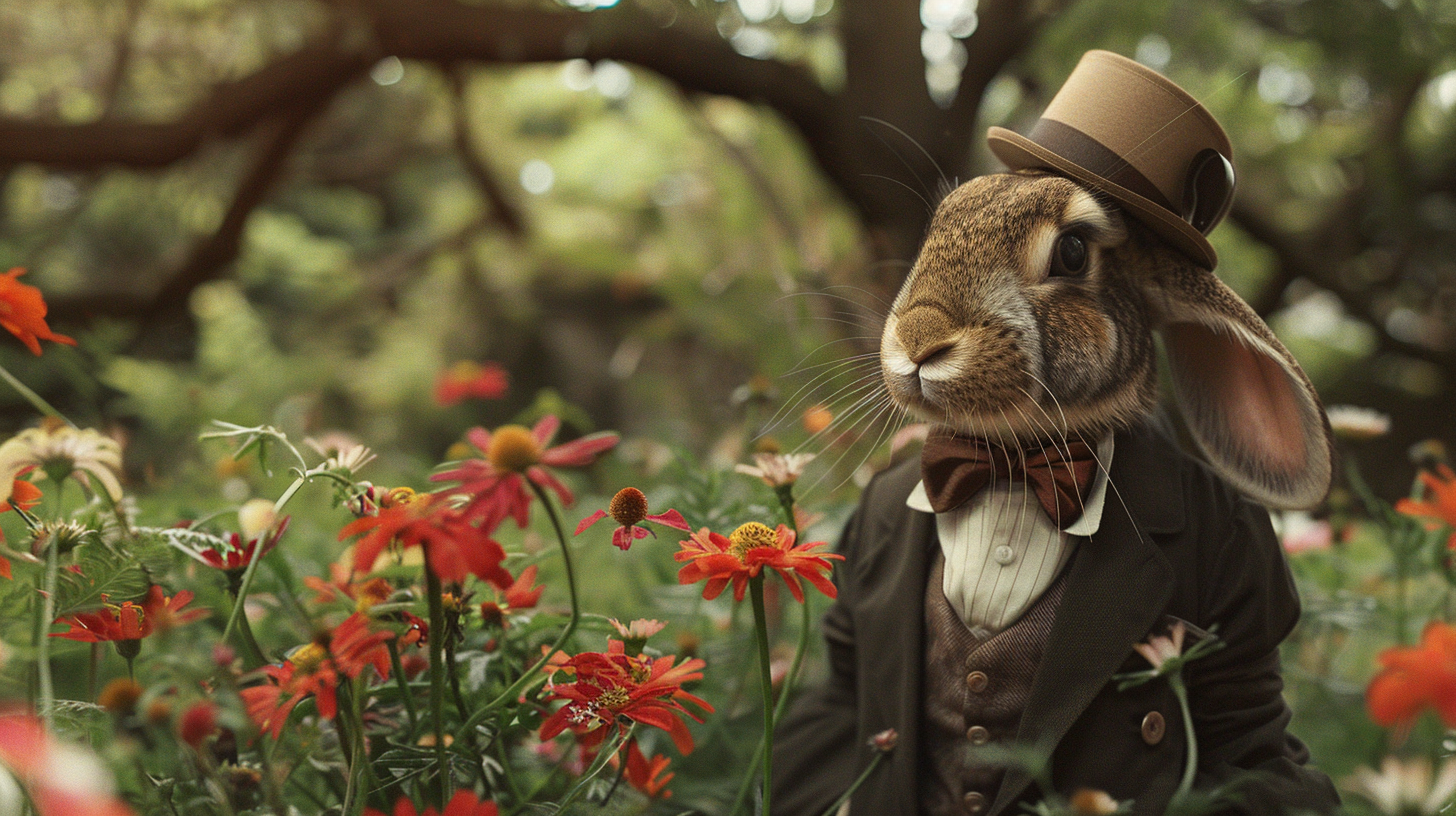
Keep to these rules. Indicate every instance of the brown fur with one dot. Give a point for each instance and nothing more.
(982, 340)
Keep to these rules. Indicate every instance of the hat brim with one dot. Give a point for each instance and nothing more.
(1021, 153)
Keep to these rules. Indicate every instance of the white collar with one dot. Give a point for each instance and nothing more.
(1091, 519)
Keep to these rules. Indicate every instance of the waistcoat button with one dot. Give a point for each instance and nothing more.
(1153, 728)
(978, 735)
(974, 802)
(977, 681)
(1003, 555)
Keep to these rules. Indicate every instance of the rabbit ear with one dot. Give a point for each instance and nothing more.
(1247, 403)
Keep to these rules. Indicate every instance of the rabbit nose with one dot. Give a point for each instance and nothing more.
(924, 332)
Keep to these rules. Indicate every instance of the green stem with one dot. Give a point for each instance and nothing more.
(255, 654)
(515, 689)
(1175, 680)
(760, 622)
(257, 559)
(592, 772)
(43, 647)
(403, 681)
(436, 649)
(33, 398)
(805, 630)
(359, 762)
(844, 797)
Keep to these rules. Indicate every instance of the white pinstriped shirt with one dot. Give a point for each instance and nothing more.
(1002, 550)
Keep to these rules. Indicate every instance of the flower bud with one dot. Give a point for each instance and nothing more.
(255, 518)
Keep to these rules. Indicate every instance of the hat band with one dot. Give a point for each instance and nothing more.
(1096, 158)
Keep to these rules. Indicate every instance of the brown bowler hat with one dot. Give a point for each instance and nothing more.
(1129, 132)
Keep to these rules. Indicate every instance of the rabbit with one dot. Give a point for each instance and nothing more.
(1030, 315)
(1028, 326)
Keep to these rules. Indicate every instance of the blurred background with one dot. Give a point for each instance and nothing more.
(301, 212)
(677, 219)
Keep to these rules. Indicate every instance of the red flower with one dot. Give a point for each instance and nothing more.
(1441, 489)
(453, 546)
(629, 509)
(646, 774)
(468, 379)
(745, 553)
(130, 621)
(314, 668)
(463, 803)
(23, 495)
(521, 594)
(612, 687)
(23, 311)
(236, 555)
(496, 483)
(198, 723)
(1415, 677)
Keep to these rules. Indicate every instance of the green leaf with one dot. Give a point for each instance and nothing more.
(119, 575)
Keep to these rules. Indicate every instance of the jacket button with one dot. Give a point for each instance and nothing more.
(977, 681)
(1003, 555)
(978, 735)
(1153, 728)
(974, 803)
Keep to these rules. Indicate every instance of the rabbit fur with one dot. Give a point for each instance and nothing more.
(992, 335)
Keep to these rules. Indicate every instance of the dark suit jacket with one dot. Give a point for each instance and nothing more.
(1174, 540)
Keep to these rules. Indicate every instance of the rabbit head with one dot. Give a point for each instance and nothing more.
(1030, 314)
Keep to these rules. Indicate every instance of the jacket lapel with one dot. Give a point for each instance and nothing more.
(894, 627)
(1117, 588)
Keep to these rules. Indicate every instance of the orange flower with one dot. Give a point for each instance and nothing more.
(612, 687)
(314, 668)
(1415, 677)
(468, 379)
(744, 553)
(1441, 502)
(23, 311)
(453, 546)
(23, 495)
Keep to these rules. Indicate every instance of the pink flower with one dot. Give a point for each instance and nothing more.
(495, 483)
(1159, 649)
(61, 779)
(629, 509)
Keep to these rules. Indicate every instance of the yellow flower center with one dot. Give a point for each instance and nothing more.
(628, 507)
(308, 657)
(513, 448)
(748, 536)
(397, 496)
(614, 699)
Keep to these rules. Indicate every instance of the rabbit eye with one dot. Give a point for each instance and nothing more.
(1070, 256)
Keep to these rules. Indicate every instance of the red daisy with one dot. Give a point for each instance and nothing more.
(236, 555)
(744, 553)
(130, 621)
(463, 803)
(496, 484)
(523, 594)
(23, 311)
(314, 668)
(453, 546)
(467, 379)
(629, 509)
(646, 774)
(612, 688)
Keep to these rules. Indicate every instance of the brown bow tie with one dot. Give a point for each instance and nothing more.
(955, 468)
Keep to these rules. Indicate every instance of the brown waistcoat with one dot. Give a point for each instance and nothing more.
(974, 693)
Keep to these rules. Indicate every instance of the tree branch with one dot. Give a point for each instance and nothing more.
(314, 72)
(503, 211)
